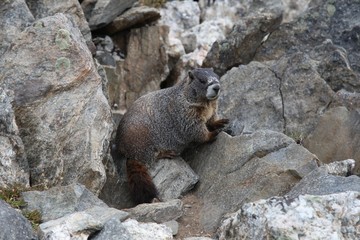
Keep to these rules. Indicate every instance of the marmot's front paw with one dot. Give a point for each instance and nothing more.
(167, 154)
(218, 124)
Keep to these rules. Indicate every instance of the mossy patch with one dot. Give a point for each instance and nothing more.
(62, 64)
(62, 39)
(12, 196)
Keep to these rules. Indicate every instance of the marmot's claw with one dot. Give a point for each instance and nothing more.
(167, 154)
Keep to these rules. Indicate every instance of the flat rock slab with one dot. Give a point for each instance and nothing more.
(236, 170)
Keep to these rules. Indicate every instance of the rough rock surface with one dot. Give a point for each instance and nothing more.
(140, 231)
(63, 117)
(157, 212)
(173, 178)
(337, 21)
(145, 65)
(343, 124)
(236, 170)
(134, 17)
(241, 45)
(112, 230)
(79, 225)
(13, 225)
(334, 216)
(287, 95)
(15, 16)
(72, 8)
(323, 181)
(60, 201)
(106, 11)
(14, 170)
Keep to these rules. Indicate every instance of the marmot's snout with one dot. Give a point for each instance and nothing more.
(213, 91)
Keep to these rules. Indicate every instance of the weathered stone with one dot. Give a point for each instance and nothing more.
(134, 17)
(173, 178)
(63, 117)
(235, 170)
(334, 20)
(60, 201)
(322, 182)
(14, 17)
(259, 103)
(294, 9)
(305, 95)
(179, 16)
(173, 225)
(113, 230)
(142, 71)
(79, 225)
(72, 8)
(157, 212)
(140, 231)
(337, 136)
(14, 169)
(13, 225)
(285, 95)
(334, 216)
(88, 6)
(242, 43)
(105, 11)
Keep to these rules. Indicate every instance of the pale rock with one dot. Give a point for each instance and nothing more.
(79, 225)
(140, 231)
(334, 216)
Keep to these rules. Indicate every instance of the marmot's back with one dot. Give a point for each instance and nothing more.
(162, 123)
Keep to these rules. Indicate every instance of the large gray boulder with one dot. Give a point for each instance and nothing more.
(287, 95)
(13, 225)
(334, 216)
(62, 114)
(14, 169)
(60, 201)
(236, 170)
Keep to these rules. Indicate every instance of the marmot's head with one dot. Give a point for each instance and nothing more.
(204, 84)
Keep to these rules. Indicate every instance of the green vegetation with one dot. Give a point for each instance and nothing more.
(13, 197)
(297, 136)
(152, 3)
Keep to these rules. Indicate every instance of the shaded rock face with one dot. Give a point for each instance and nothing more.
(333, 20)
(236, 170)
(337, 136)
(14, 169)
(312, 217)
(63, 117)
(14, 225)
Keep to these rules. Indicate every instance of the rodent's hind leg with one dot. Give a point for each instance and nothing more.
(217, 124)
(167, 154)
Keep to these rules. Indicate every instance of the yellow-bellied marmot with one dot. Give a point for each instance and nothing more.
(163, 123)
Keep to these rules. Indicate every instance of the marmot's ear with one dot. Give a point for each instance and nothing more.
(191, 75)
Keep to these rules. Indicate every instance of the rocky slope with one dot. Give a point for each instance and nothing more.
(288, 165)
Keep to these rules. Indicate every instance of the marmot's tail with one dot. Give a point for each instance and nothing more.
(142, 188)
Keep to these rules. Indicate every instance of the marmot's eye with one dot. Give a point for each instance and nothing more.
(203, 81)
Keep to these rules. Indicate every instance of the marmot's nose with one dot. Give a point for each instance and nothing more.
(216, 88)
